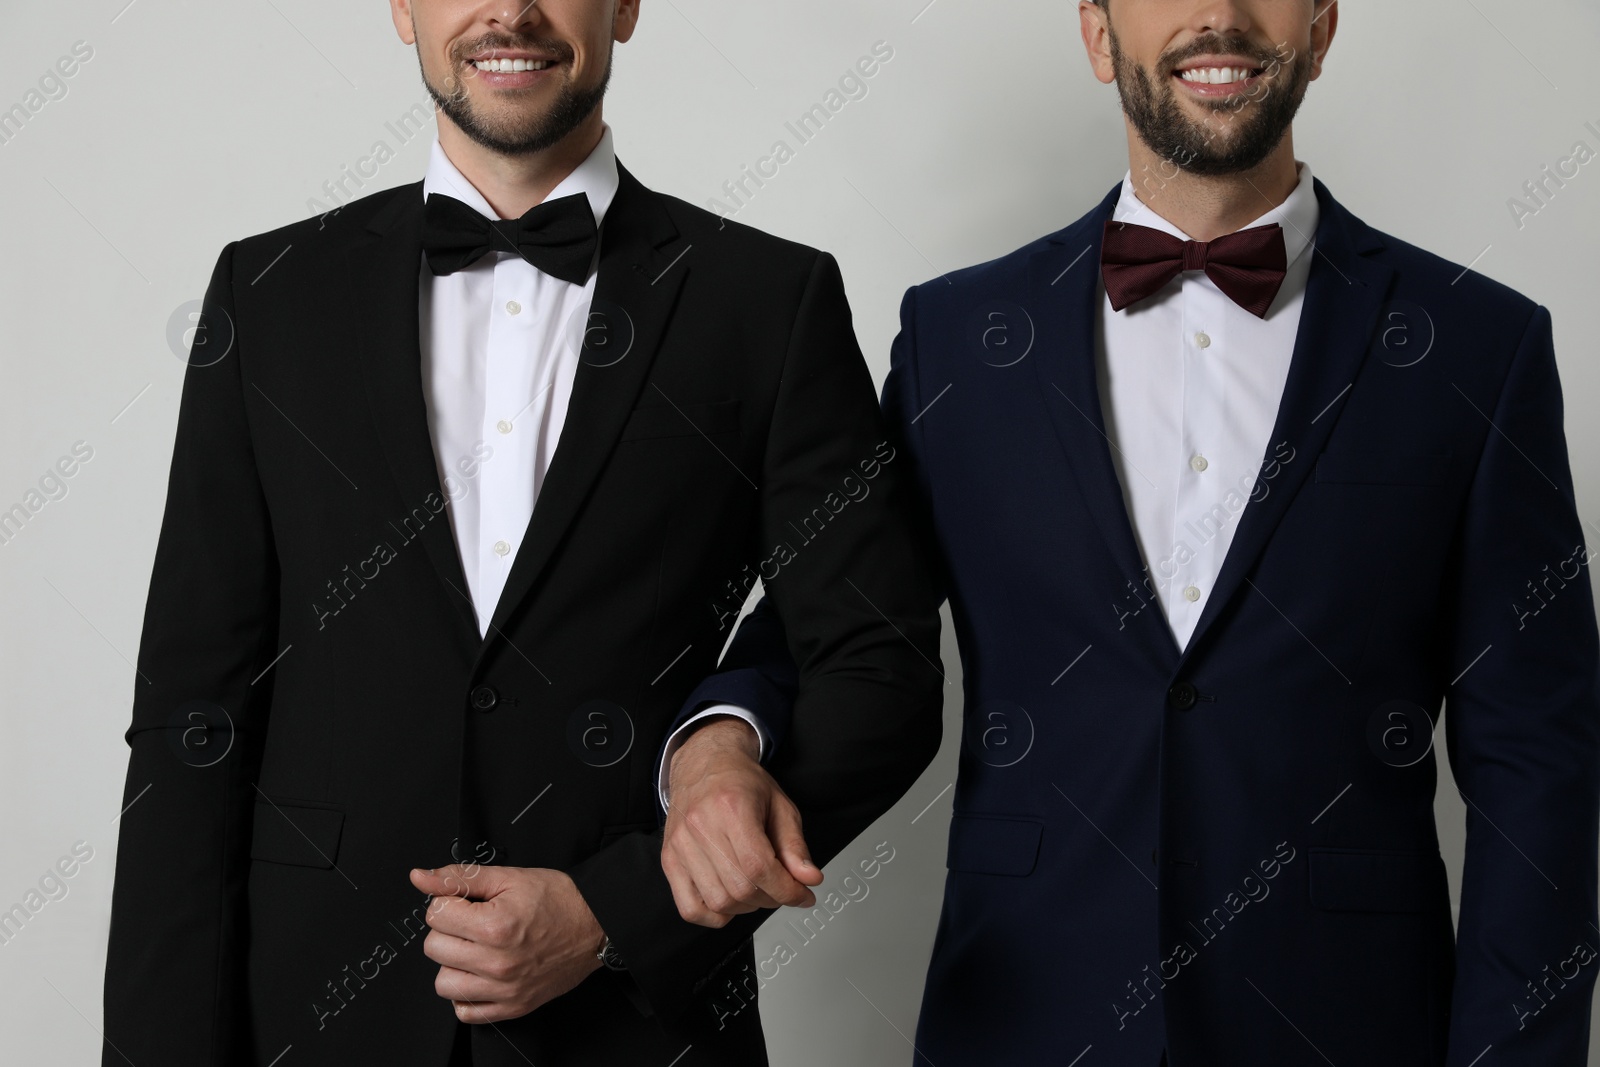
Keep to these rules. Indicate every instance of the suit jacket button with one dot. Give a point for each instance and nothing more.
(484, 698)
(1183, 696)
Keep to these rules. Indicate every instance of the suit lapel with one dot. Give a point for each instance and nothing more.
(1344, 296)
(641, 272)
(1063, 298)
(384, 267)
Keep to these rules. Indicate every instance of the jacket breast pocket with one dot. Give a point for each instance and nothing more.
(1350, 879)
(989, 844)
(1382, 468)
(296, 833)
(662, 419)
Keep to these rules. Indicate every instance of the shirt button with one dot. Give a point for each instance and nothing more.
(1191, 594)
(501, 548)
(512, 307)
(1199, 463)
(1202, 339)
(503, 426)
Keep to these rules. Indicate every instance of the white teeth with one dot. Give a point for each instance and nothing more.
(511, 66)
(1216, 75)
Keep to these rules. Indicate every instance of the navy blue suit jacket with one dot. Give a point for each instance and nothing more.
(1229, 850)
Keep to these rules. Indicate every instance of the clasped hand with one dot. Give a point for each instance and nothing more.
(507, 939)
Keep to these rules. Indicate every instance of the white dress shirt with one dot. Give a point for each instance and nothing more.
(497, 369)
(1190, 385)
(500, 342)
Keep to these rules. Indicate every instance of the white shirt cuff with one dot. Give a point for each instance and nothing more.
(681, 734)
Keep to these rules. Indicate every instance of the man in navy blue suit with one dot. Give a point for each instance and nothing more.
(1233, 498)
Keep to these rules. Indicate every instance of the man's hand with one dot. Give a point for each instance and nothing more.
(732, 843)
(507, 939)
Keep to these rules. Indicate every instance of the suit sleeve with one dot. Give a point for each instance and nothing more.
(1522, 725)
(174, 965)
(860, 625)
(757, 682)
(756, 675)
(757, 672)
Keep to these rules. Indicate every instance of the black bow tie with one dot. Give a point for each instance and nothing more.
(558, 236)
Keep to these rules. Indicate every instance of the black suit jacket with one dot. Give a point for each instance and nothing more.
(316, 712)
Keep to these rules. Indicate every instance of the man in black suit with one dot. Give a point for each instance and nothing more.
(462, 472)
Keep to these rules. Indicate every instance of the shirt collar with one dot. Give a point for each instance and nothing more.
(596, 177)
(1298, 214)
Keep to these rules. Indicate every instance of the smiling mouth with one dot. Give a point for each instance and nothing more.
(512, 66)
(1218, 75)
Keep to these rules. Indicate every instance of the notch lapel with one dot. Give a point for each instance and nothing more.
(1344, 296)
(1063, 295)
(641, 272)
(384, 267)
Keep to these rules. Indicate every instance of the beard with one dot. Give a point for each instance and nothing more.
(520, 134)
(1259, 121)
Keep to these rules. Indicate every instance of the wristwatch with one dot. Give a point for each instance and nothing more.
(609, 955)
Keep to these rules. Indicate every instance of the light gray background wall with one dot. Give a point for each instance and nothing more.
(199, 122)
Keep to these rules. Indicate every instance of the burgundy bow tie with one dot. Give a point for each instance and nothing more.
(1248, 266)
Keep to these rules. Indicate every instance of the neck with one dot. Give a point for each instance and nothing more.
(1207, 206)
(514, 184)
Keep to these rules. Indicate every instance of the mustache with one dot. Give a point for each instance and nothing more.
(1217, 44)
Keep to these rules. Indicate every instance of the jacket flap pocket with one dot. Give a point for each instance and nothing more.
(1382, 468)
(985, 844)
(295, 833)
(682, 420)
(1372, 880)
(609, 834)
